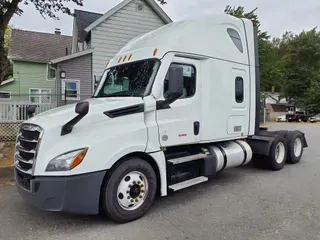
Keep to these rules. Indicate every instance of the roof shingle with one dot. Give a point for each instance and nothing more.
(37, 46)
(84, 19)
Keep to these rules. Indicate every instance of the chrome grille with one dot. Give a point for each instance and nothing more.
(28, 141)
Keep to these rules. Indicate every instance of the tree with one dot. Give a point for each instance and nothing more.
(240, 13)
(301, 54)
(312, 100)
(10, 7)
(7, 37)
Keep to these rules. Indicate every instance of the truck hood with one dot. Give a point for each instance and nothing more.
(59, 116)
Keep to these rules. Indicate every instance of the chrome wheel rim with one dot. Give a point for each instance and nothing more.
(132, 190)
(280, 152)
(297, 147)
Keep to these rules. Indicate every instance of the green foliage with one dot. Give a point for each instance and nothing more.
(240, 13)
(312, 99)
(301, 57)
(7, 36)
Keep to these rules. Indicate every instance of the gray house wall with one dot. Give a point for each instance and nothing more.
(79, 68)
(116, 31)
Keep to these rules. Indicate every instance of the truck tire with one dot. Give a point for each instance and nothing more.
(294, 141)
(278, 154)
(129, 190)
(275, 160)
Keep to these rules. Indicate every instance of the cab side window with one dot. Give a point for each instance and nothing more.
(189, 80)
(239, 89)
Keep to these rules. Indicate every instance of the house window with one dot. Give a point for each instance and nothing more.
(38, 95)
(189, 80)
(51, 73)
(5, 95)
(239, 89)
(71, 89)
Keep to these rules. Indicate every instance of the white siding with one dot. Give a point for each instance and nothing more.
(112, 34)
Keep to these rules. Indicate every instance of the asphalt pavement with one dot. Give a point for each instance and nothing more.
(244, 203)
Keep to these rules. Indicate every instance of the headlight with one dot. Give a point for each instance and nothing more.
(67, 161)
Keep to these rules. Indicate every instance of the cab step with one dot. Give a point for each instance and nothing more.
(188, 183)
(180, 160)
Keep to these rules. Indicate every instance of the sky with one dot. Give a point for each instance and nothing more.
(276, 16)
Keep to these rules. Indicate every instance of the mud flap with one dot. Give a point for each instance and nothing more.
(261, 143)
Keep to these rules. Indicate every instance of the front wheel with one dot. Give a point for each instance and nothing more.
(129, 190)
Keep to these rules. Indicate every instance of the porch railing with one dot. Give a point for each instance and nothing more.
(19, 112)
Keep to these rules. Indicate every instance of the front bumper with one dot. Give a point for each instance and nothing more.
(75, 194)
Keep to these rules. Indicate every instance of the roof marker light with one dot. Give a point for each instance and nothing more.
(155, 52)
(119, 59)
(124, 58)
(130, 56)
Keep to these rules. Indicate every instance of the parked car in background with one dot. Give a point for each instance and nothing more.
(315, 118)
(281, 118)
(297, 116)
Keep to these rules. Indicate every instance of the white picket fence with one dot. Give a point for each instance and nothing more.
(13, 114)
(17, 112)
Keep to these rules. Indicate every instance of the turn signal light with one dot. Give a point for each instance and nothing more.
(79, 159)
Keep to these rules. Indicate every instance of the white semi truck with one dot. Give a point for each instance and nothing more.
(174, 108)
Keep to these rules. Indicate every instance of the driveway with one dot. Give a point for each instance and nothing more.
(244, 203)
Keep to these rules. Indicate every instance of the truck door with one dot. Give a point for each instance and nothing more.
(180, 123)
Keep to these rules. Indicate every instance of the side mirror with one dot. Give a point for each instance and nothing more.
(82, 108)
(175, 87)
(31, 111)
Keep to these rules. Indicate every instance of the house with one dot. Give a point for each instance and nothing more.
(276, 105)
(33, 78)
(97, 38)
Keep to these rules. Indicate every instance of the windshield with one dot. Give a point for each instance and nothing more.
(128, 80)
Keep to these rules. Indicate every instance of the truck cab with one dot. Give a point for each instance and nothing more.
(174, 107)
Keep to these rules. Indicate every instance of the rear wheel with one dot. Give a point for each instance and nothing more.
(129, 191)
(295, 146)
(278, 154)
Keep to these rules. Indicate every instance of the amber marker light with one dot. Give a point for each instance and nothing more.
(79, 158)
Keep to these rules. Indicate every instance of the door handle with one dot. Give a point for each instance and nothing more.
(196, 128)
